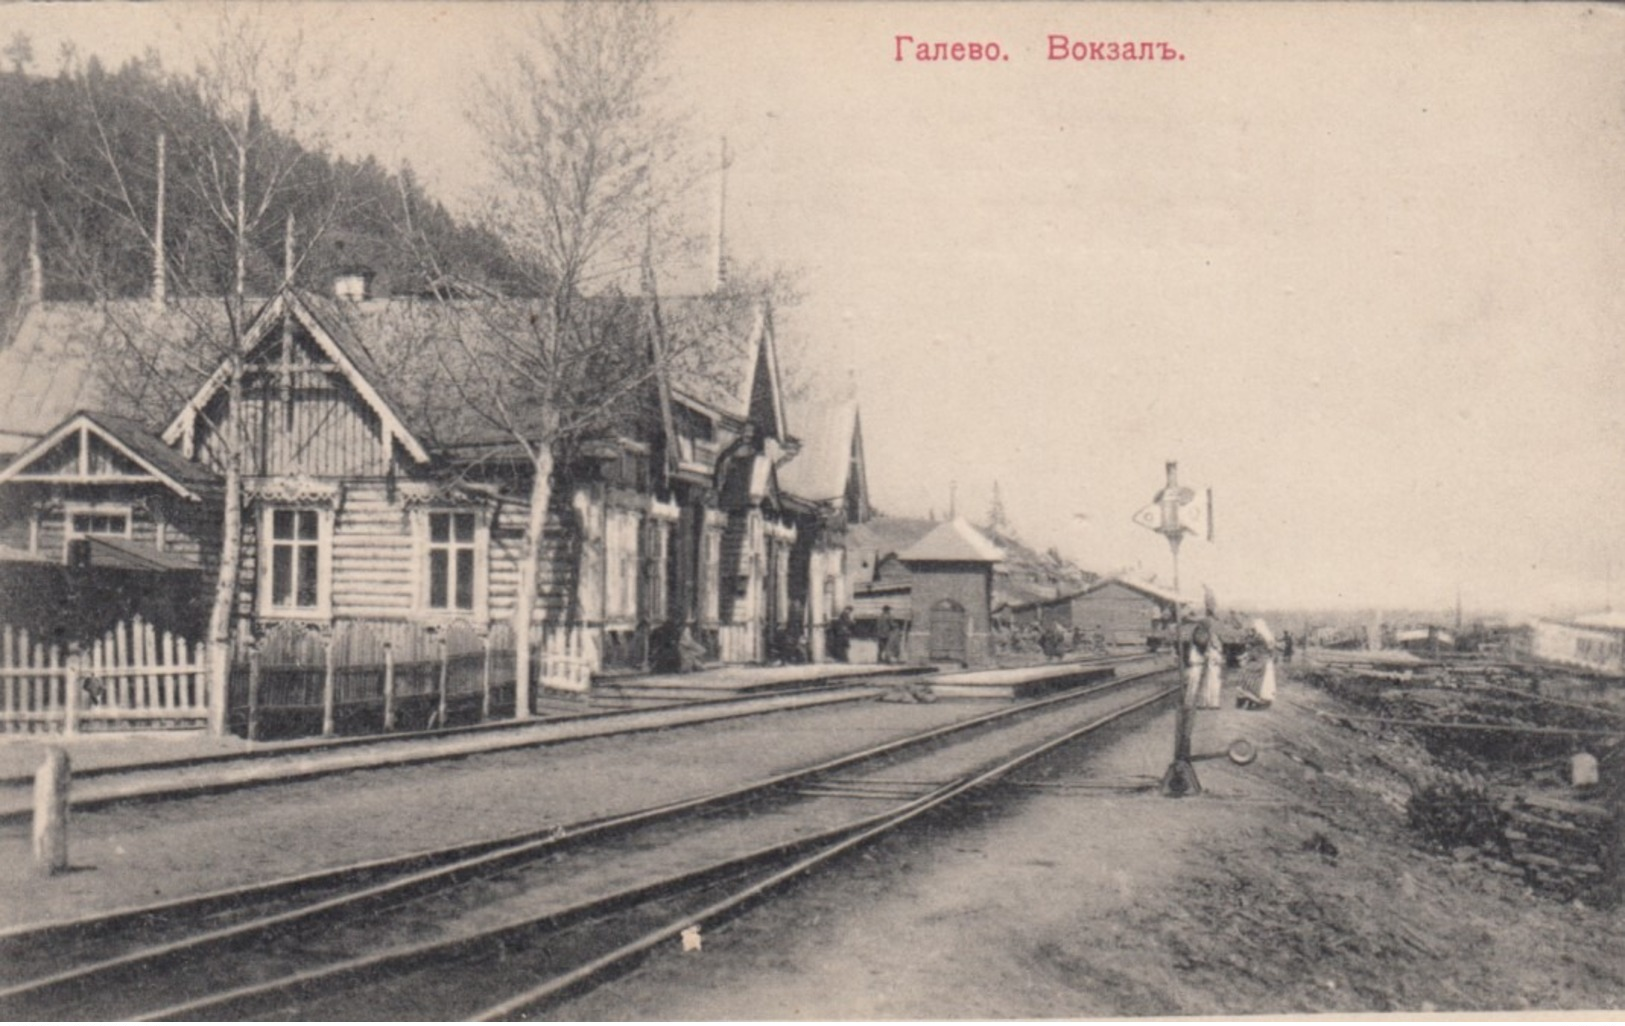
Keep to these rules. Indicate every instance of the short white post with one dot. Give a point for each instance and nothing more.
(389, 688)
(51, 813)
(71, 683)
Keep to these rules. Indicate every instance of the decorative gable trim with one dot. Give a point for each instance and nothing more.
(297, 491)
(425, 495)
(82, 425)
(182, 428)
(765, 353)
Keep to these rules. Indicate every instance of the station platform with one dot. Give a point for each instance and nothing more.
(741, 681)
(191, 760)
(1021, 682)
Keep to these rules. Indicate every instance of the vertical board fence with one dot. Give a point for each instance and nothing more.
(366, 676)
(736, 643)
(133, 677)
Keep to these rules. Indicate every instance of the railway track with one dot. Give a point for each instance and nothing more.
(100, 786)
(469, 931)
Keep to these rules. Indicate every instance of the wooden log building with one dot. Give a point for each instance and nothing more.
(379, 488)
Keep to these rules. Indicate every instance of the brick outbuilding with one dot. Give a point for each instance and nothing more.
(952, 595)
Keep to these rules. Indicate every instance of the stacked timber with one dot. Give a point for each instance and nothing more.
(1564, 847)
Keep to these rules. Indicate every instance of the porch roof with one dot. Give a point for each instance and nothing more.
(122, 554)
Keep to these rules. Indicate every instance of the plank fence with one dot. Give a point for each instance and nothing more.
(133, 677)
(736, 643)
(362, 676)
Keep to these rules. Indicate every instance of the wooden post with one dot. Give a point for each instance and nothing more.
(218, 677)
(328, 728)
(70, 696)
(51, 813)
(445, 670)
(389, 687)
(253, 692)
(485, 682)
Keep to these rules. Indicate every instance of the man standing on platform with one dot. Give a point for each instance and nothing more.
(840, 636)
(885, 634)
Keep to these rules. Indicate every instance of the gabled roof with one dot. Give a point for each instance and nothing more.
(124, 436)
(66, 357)
(722, 355)
(1148, 590)
(822, 469)
(351, 359)
(953, 542)
(427, 367)
(887, 535)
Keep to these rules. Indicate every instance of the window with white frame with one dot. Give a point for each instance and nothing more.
(451, 567)
(103, 520)
(296, 560)
(107, 520)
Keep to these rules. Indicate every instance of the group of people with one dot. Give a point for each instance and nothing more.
(1050, 638)
(888, 635)
(1205, 659)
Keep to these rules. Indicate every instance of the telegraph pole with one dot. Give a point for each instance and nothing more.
(1162, 516)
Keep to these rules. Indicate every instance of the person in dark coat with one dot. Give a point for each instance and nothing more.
(1051, 641)
(840, 636)
(885, 632)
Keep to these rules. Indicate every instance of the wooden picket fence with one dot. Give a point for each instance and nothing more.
(133, 677)
(567, 657)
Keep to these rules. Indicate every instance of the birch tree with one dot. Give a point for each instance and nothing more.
(236, 146)
(588, 156)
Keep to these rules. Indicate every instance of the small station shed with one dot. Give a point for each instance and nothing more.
(1122, 613)
(952, 595)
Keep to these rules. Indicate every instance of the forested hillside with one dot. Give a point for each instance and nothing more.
(78, 152)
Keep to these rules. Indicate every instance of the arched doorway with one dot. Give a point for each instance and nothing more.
(947, 641)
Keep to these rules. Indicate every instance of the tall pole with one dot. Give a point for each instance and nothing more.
(160, 273)
(1180, 778)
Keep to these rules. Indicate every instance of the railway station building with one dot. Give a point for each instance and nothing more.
(386, 492)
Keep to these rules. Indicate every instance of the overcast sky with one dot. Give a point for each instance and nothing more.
(1356, 267)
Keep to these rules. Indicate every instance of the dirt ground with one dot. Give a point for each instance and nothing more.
(1292, 886)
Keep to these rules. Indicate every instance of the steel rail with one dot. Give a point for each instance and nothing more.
(250, 1000)
(581, 976)
(220, 900)
(425, 871)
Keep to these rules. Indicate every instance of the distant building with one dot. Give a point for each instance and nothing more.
(1116, 612)
(951, 595)
(1594, 642)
